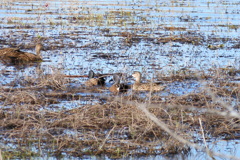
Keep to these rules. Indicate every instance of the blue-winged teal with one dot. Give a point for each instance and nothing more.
(17, 55)
(94, 81)
(117, 86)
(139, 86)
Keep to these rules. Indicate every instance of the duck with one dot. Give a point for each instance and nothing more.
(117, 86)
(94, 81)
(215, 47)
(139, 86)
(16, 55)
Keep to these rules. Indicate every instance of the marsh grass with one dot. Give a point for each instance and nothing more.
(122, 126)
(119, 125)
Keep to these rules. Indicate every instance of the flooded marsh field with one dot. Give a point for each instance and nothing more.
(192, 49)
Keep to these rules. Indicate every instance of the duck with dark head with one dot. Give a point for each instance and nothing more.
(94, 80)
(117, 86)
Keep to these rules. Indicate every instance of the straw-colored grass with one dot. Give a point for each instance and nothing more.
(123, 126)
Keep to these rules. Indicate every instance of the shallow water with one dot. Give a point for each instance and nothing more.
(100, 26)
(83, 35)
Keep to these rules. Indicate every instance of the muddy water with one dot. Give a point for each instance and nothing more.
(122, 36)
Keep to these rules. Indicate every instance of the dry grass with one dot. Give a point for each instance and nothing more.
(115, 128)
(123, 126)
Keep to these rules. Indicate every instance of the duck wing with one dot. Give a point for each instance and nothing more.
(25, 57)
(10, 52)
(156, 83)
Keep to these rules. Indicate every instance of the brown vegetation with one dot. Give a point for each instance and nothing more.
(46, 114)
(123, 125)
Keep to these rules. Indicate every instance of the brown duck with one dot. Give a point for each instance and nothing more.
(16, 55)
(94, 81)
(139, 86)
